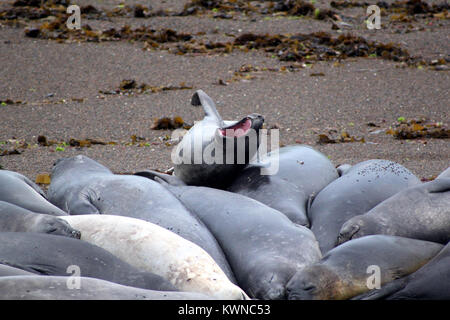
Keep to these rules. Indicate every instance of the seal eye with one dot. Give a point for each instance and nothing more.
(52, 230)
(309, 287)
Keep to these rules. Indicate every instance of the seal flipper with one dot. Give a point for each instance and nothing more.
(200, 98)
(32, 268)
(385, 291)
(439, 185)
(83, 207)
(169, 179)
(83, 204)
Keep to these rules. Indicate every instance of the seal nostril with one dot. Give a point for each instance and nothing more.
(76, 234)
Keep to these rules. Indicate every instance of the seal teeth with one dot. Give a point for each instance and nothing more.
(237, 129)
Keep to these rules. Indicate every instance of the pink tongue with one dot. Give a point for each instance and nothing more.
(237, 130)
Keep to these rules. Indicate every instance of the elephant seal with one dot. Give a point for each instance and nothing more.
(149, 247)
(428, 283)
(81, 185)
(302, 172)
(17, 219)
(8, 271)
(46, 254)
(263, 246)
(21, 191)
(420, 212)
(61, 288)
(213, 151)
(345, 271)
(444, 174)
(361, 188)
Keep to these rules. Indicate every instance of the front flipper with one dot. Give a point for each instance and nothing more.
(83, 204)
(200, 98)
(385, 291)
(439, 185)
(41, 269)
(170, 179)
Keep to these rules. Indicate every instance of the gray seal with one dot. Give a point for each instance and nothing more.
(17, 219)
(345, 271)
(263, 246)
(81, 185)
(213, 151)
(302, 172)
(21, 191)
(46, 254)
(63, 288)
(420, 212)
(361, 188)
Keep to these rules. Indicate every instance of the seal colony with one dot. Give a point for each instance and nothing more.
(223, 230)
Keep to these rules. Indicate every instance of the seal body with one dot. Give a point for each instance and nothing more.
(81, 185)
(263, 246)
(8, 271)
(46, 254)
(21, 191)
(361, 188)
(151, 248)
(349, 269)
(17, 219)
(302, 172)
(420, 212)
(213, 151)
(63, 288)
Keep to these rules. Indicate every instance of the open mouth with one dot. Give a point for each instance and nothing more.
(237, 130)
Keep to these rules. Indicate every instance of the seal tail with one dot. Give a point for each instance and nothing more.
(200, 98)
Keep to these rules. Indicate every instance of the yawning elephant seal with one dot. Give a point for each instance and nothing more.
(213, 151)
